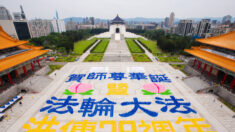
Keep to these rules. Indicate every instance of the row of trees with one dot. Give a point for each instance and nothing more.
(168, 42)
(64, 41)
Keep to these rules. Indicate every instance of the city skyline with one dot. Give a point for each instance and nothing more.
(156, 8)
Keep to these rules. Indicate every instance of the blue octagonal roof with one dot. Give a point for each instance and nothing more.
(117, 20)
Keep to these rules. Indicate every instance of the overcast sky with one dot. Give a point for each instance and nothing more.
(125, 8)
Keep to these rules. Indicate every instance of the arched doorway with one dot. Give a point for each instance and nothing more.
(117, 30)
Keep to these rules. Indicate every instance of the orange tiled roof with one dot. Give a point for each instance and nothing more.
(218, 60)
(29, 47)
(15, 60)
(6, 41)
(224, 41)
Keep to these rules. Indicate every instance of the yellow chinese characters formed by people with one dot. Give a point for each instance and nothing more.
(48, 124)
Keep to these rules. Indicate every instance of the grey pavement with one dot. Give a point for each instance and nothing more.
(117, 58)
(117, 51)
(56, 63)
(216, 116)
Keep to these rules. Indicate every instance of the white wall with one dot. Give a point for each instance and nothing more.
(122, 28)
(9, 27)
(61, 25)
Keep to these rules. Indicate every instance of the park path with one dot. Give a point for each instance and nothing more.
(150, 55)
(84, 55)
(117, 51)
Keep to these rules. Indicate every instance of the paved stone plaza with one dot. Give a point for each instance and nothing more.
(117, 51)
(134, 90)
(118, 95)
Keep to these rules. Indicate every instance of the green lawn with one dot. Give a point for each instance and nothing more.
(133, 47)
(169, 59)
(66, 59)
(140, 58)
(53, 68)
(101, 47)
(81, 46)
(150, 45)
(94, 58)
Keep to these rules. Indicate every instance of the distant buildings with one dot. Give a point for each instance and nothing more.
(92, 20)
(5, 14)
(203, 28)
(17, 28)
(22, 29)
(171, 20)
(17, 15)
(39, 27)
(227, 19)
(185, 27)
(166, 22)
(71, 25)
(58, 25)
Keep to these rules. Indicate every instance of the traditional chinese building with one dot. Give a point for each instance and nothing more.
(16, 59)
(117, 26)
(216, 58)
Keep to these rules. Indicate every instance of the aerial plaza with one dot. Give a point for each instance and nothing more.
(119, 94)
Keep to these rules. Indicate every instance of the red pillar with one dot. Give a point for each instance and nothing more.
(199, 64)
(32, 66)
(209, 73)
(194, 62)
(9, 77)
(225, 76)
(39, 64)
(233, 83)
(25, 71)
(204, 68)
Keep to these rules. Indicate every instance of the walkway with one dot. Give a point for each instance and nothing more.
(150, 55)
(84, 55)
(117, 51)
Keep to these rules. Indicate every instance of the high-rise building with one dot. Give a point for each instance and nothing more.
(22, 29)
(57, 15)
(203, 28)
(5, 14)
(58, 25)
(214, 22)
(185, 27)
(92, 20)
(166, 22)
(17, 15)
(227, 19)
(22, 12)
(17, 28)
(71, 25)
(171, 20)
(39, 27)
